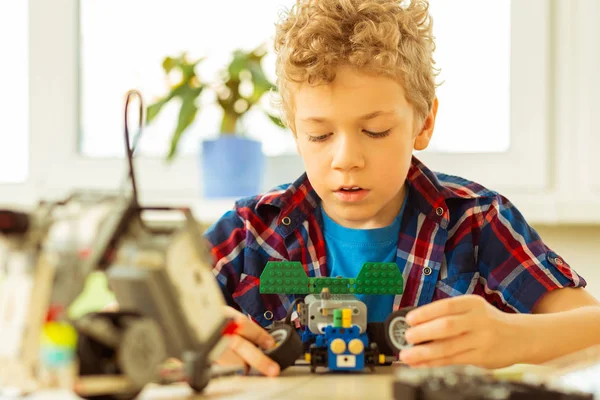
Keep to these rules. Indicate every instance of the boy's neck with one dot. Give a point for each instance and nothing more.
(382, 218)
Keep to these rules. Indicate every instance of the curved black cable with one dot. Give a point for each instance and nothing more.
(130, 148)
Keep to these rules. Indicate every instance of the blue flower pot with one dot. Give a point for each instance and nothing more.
(232, 166)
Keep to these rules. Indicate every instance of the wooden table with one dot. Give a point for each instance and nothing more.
(298, 383)
(294, 383)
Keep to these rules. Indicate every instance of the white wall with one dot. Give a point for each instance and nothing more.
(580, 246)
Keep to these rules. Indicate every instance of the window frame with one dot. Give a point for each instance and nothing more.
(541, 193)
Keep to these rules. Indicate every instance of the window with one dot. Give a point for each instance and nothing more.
(14, 86)
(529, 95)
(551, 49)
(129, 55)
(113, 60)
(474, 111)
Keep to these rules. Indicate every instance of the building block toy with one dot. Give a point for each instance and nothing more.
(333, 321)
(283, 277)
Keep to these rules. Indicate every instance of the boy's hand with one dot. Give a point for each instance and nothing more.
(242, 348)
(463, 330)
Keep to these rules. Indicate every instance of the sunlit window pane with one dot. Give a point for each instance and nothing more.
(14, 128)
(473, 38)
(473, 53)
(130, 55)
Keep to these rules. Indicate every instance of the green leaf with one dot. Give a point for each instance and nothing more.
(260, 81)
(154, 109)
(277, 121)
(239, 63)
(187, 115)
(169, 63)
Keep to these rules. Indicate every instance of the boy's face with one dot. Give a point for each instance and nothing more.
(356, 137)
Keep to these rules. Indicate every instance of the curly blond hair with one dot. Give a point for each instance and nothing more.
(383, 37)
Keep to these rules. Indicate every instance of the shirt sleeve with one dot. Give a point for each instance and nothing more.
(518, 268)
(227, 238)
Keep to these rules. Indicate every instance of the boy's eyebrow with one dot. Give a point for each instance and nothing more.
(368, 116)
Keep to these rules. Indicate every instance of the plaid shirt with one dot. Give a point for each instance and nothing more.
(457, 238)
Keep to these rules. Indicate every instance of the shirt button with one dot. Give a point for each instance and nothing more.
(268, 315)
(439, 211)
(427, 271)
(558, 261)
(286, 221)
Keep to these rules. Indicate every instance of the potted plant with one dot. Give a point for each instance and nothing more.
(232, 165)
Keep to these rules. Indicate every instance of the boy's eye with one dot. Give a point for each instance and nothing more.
(377, 134)
(318, 138)
(324, 137)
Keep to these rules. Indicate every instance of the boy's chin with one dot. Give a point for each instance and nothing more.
(365, 217)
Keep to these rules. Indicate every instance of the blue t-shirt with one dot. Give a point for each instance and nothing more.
(348, 249)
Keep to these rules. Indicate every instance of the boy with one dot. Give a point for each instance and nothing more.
(357, 86)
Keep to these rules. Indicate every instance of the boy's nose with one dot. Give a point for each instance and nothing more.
(348, 154)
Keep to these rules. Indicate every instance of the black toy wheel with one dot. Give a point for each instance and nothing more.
(377, 334)
(124, 396)
(395, 329)
(288, 346)
(142, 351)
(95, 358)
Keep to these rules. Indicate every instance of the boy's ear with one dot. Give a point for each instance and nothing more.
(424, 136)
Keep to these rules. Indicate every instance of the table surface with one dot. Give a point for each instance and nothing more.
(298, 383)
(294, 383)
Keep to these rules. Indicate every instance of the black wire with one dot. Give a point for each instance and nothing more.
(129, 148)
(290, 311)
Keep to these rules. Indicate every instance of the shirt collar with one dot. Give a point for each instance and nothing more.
(299, 200)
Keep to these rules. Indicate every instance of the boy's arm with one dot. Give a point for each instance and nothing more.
(469, 330)
(227, 238)
(573, 314)
(520, 274)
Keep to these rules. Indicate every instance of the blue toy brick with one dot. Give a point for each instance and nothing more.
(346, 334)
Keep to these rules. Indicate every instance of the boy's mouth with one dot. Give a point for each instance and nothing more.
(351, 193)
(350, 188)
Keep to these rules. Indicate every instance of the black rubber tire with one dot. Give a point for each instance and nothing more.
(288, 346)
(97, 359)
(376, 331)
(125, 396)
(393, 344)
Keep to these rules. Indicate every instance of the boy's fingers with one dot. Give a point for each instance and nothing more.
(230, 357)
(439, 349)
(440, 328)
(255, 334)
(253, 356)
(231, 312)
(466, 357)
(440, 308)
(250, 330)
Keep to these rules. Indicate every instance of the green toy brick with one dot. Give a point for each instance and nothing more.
(379, 278)
(283, 277)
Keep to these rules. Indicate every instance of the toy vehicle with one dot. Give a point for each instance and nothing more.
(471, 383)
(333, 321)
(161, 274)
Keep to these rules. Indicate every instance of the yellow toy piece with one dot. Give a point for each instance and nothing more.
(338, 346)
(346, 318)
(356, 346)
